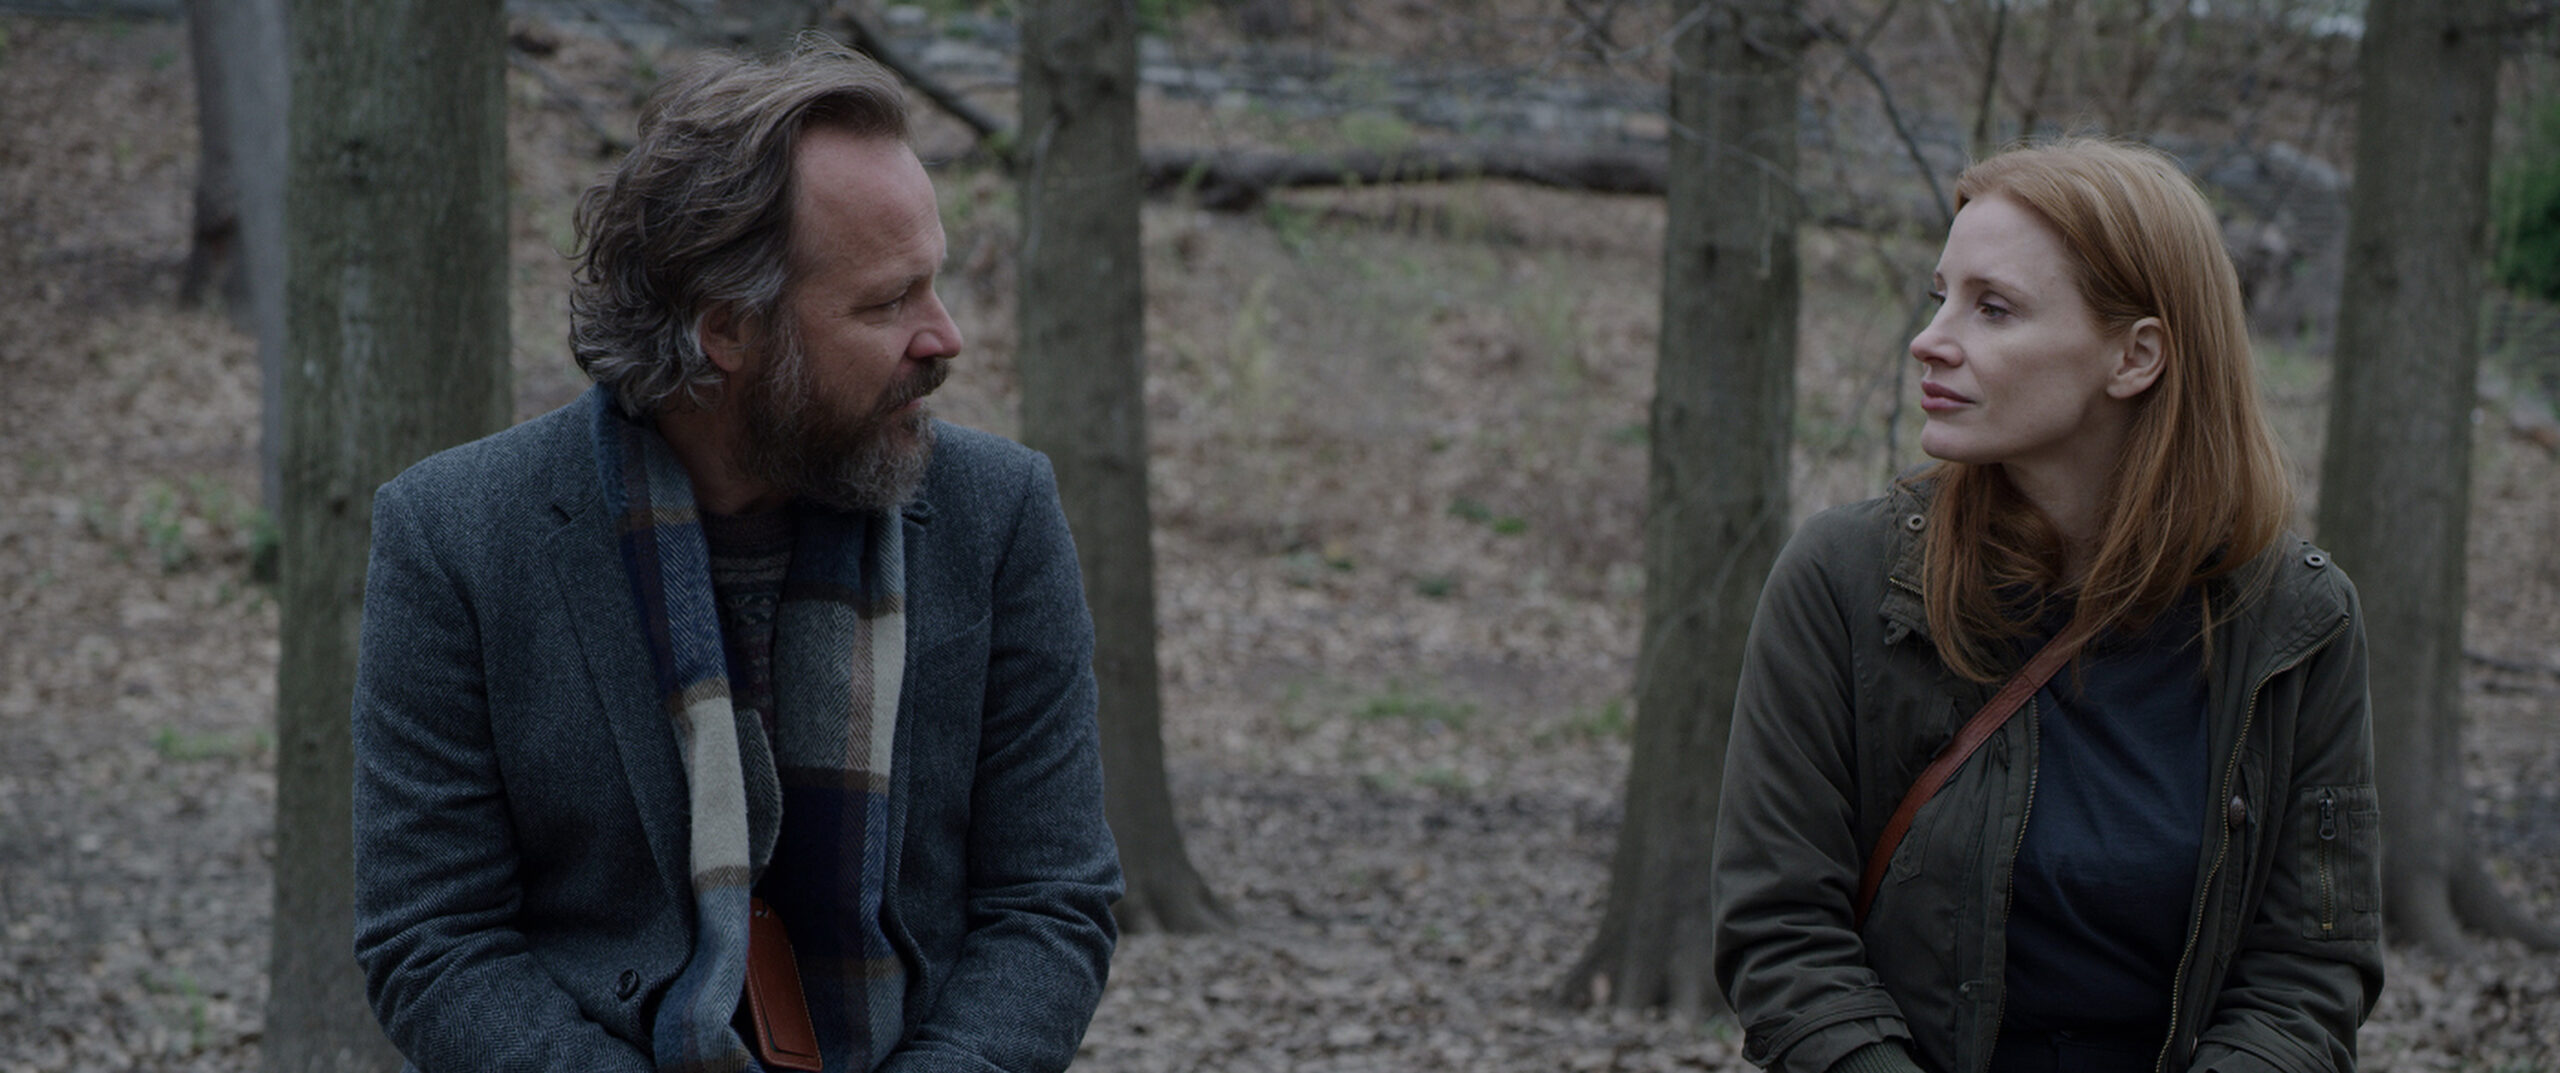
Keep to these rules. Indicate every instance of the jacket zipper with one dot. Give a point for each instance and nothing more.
(2222, 848)
(2009, 891)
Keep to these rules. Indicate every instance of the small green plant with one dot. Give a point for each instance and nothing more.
(1399, 703)
(1293, 225)
(162, 523)
(1307, 567)
(1443, 777)
(1436, 586)
(1477, 512)
(184, 524)
(96, 518)
(265, 541)
(1253, 386)
(182, 747)
(1553, 316)
(1377, 132)
(191, 998)
(1608, 722)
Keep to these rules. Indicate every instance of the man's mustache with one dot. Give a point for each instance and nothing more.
(924, 382)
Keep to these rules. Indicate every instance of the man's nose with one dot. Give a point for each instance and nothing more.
(941, 338)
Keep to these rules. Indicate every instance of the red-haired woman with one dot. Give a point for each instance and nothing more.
(2161, 857)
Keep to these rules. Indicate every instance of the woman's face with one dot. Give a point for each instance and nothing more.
(2015, 368)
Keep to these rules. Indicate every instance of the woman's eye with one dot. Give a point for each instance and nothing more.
(1935, 297)
(1993, 310)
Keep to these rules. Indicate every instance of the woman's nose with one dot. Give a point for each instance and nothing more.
(1933, 346)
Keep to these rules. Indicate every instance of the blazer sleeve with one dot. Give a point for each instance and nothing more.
(2309, 964)
(1041, 869)
(1786, 846)
(436, 892)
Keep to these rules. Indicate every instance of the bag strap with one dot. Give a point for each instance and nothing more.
(1977, 730)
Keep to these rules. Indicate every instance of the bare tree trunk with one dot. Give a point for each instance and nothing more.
(1724, 398)
(2395, 484)
(213, 246)
(239, 54)
(1082, 359)
(398, 309)
(1981, 140)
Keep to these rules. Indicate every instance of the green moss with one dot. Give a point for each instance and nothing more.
(2526, 201)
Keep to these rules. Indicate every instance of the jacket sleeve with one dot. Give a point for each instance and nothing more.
(2309, 963)
(1786, 848)
(436, 892)
(1042, 872)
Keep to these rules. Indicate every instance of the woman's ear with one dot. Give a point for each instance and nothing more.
(2146, 347)
(725, 337)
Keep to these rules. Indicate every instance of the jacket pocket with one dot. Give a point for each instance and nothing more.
(2337, 834)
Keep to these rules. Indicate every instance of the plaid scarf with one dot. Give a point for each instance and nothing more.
(839, 654)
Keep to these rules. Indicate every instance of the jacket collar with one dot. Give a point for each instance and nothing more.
(2292, 599)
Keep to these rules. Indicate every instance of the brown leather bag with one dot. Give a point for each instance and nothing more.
(784, 1037)
(1977, 730)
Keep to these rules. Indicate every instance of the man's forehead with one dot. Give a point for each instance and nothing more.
(831, 158)
(864, 199)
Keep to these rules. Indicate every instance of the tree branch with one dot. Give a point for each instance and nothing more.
(2515, 666)
(992, 132)
(1866, 65)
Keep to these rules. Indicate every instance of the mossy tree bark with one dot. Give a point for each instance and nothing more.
(397, 315)
(1082, 359)
(1723, 403)
(2395, 481)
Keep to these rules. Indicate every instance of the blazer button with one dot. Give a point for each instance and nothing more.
(2237, 814)
(626, 985)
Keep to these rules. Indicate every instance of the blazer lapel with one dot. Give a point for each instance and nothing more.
(586, 563)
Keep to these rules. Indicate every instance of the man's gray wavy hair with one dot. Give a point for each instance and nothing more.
(698, 215)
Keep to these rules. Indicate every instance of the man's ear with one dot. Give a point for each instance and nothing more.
(2146, 348)
(726, 337)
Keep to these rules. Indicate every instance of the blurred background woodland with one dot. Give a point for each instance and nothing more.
(1402, 406)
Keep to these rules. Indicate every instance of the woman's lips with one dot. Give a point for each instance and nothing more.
(1937, 399)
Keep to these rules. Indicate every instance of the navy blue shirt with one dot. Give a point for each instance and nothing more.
(2102, 892)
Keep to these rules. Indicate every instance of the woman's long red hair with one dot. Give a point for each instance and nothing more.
(2201, 486)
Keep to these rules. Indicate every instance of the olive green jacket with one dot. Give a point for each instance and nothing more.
(1843, 701)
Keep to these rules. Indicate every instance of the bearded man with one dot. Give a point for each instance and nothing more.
(737, 715)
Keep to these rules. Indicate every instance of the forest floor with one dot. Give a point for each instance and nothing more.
(1398, 475)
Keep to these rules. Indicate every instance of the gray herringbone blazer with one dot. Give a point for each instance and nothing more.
(521, 814)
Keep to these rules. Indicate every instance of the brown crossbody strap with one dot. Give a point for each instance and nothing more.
(1977, 730)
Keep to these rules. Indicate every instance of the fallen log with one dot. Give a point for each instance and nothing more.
(1234, 180)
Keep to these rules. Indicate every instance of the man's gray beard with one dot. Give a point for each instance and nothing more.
(857, 462)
